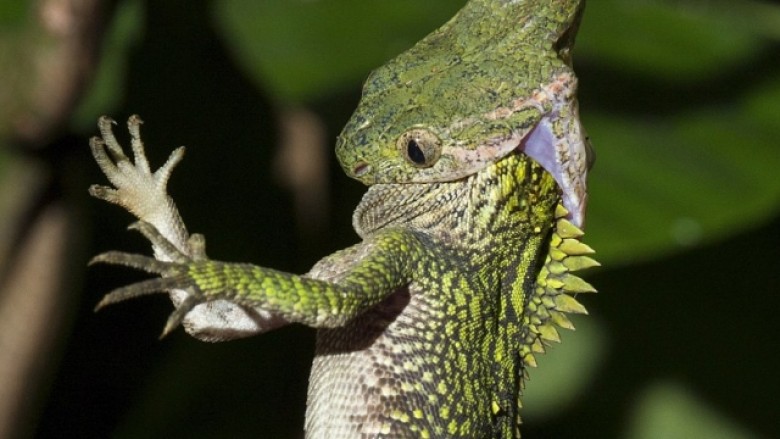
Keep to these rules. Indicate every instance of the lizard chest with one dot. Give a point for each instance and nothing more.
(412, 364)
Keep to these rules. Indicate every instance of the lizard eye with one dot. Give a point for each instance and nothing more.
(420, 147)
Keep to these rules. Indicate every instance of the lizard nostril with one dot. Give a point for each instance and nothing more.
(361, 169)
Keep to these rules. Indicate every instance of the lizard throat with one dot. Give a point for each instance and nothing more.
(514, 193)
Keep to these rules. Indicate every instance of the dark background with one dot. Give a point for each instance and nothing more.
(681, 99)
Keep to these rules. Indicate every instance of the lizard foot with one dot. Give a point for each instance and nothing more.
(176, 274)
(136, 188)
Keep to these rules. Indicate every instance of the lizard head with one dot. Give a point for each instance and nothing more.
(470, 93)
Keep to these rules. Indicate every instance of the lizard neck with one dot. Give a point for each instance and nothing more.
(509, 200)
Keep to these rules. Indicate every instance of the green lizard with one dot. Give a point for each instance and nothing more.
(476, 160)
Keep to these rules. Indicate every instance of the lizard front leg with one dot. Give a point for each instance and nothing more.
(144, 194)
(385, 266)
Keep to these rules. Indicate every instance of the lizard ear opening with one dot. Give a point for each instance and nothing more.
(420, 147)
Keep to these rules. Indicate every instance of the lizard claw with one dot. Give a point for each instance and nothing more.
(177, 316)
(143, 192)
(138, 289)
(105, 193)
(139, 262)
(173, 274)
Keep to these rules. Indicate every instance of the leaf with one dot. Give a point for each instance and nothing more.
(668, 410)
(662, 39)
(305, 49)
(668, 183)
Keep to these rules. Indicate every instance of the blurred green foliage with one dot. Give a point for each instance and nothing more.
(303, 50)
(697, 133)
(682, 102)
(669, 411)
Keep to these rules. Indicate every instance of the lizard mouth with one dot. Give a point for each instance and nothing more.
(567, 160)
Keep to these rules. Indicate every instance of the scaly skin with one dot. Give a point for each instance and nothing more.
(440, 357)
(495, 78)
(428, 325)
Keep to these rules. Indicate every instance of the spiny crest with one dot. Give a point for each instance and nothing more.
(555, 284)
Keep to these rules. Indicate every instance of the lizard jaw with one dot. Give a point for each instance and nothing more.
(567, 160)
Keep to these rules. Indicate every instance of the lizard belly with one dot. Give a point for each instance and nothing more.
(352, 375)
(390, 373)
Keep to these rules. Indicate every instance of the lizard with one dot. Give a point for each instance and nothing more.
(476, 163)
